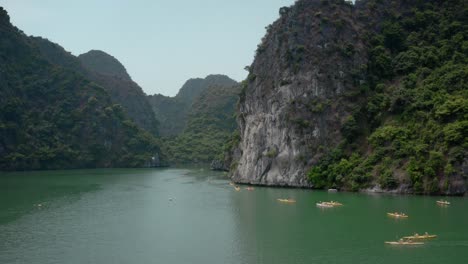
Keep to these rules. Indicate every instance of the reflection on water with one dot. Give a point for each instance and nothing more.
(22, 193)
(194, 216)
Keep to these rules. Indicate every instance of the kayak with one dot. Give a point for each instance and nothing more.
(237, 188)
(324, 205)
(333, 203)
(250, 188)
(443, 202)
(397, 215)
(403, 243)
(286, 200)
(415, 236)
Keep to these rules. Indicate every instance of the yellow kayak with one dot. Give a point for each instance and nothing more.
(403, 243)
(397, 215)
(416, 236)
(286, 200)
(443, 202)
(237, 188)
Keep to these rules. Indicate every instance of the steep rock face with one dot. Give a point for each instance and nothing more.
(173, 112)
(298, 93)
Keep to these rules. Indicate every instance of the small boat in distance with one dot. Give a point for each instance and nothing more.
(334, 203)
(237, 188)
(401, 242)
(443, 202)
(324, 205)
(397, 215)
(286, 200)
(250, 188)
(417, 236)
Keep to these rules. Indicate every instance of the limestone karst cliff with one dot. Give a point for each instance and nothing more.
(297, 96)
(358, 96)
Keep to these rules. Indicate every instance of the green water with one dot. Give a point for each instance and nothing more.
(126, 216)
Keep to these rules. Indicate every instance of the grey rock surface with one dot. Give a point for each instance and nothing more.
(298, 96)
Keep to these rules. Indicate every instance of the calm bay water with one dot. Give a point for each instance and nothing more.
(194, 216)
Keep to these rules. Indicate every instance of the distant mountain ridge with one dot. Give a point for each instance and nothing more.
(194, 87)
(172, 112)
(199, 120)
(108, 72)
(210, 124)
(100, 62)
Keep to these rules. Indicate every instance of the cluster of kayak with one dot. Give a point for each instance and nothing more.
(415, 239)
(403, 215)
(319, 204)
(238, 189)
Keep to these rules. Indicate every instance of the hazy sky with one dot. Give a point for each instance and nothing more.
(161, 43)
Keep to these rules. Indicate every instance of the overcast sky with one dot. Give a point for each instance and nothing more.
(161, 43)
